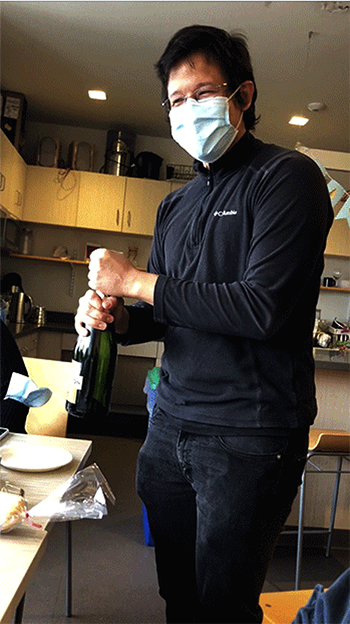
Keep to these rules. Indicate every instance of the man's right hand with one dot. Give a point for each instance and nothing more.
(96, 312)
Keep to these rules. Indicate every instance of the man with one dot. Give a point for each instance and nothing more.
(13, 414)
(232, 286)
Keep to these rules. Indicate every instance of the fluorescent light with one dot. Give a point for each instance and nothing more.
(97, 95)
(298, 121)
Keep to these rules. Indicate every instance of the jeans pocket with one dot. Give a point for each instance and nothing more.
(248, 446)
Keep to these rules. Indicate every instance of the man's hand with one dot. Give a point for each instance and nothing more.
(96, 312)
(111, 273)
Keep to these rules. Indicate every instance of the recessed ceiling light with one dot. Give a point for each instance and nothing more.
(298, 121)
(97, 95)
(316, 106)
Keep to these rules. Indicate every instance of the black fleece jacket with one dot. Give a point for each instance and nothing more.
(239, 254)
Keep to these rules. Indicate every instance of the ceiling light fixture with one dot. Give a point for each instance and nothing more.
(97, 95)
(316, 106)
(298, 121)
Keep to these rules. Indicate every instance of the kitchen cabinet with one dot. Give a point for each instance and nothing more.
(54, 345)
(28, 345)
(12, 179)
(338, 241)
(142, 199)
(92, 200)
(51, 196)
(338, 167)
(101, 200)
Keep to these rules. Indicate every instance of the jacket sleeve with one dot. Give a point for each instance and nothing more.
(291, 217)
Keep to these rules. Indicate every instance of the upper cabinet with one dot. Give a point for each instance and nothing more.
(51, 196)
(337, 165)
(12, 179)
(92, 200)
(79, 198)
(101, 201)
(338, 241)
(142, 199)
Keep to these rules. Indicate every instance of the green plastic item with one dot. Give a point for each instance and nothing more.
(153, 377)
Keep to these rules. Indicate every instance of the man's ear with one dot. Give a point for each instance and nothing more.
(247, 91)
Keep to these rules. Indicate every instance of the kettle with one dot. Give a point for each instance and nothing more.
(21, 306)
(148, 165)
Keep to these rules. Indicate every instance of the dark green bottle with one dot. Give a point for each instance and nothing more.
(94, 360)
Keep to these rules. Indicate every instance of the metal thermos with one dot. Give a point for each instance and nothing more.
(118, 158)
(26, 242)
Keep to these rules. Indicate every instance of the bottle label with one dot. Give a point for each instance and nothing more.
(76, 382)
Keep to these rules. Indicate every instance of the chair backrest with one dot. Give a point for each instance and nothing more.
(51, 418)
(329, 440)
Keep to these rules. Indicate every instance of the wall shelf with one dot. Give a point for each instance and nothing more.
(49, 259)
(335, 289)
(65, 260)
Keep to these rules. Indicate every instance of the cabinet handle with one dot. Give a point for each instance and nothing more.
(3, 182)
(117, 217)
(129, 219)
(24, 351)
(19, 198)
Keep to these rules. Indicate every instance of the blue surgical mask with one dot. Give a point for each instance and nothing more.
(203, 128)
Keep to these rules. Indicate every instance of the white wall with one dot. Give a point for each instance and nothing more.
(58, 286)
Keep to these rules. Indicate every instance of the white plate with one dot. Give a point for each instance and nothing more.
(31, 458)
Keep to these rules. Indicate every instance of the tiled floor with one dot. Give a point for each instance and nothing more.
(114, 573)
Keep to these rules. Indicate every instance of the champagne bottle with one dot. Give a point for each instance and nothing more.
(94, 360)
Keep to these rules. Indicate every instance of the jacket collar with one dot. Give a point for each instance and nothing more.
(233, 159)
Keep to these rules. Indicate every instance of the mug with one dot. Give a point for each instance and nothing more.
(329, 282)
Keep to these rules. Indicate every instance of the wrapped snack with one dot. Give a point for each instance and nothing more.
(13, 509)
(82, 496)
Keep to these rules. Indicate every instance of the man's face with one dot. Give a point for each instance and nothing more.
(195, 72)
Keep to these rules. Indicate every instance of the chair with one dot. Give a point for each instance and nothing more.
(322, 443)
(282, 607)
(51, 419)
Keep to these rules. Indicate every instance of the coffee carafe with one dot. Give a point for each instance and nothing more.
(21, 306)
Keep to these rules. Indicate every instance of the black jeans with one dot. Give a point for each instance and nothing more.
(215, 507)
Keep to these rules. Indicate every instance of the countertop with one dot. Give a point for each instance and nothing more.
(55, 321)
(64, 322)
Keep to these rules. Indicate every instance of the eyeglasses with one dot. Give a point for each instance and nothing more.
(202, 93)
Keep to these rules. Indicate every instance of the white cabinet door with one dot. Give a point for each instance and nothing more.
(51, 196)
(12, 179)
(101, 201)
(142, 199)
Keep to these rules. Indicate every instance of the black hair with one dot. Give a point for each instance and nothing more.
(229, 51)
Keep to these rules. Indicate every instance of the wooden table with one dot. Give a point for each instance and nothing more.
(22, 548)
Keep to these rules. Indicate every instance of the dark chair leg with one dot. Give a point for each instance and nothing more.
(334, 505)
(19, 610)
(300, 531)
(68, 569)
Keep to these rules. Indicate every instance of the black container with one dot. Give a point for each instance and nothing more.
(148, 165)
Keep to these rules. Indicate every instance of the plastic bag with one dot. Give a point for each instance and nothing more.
(82, 496)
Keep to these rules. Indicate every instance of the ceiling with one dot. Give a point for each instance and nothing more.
(53, 52)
